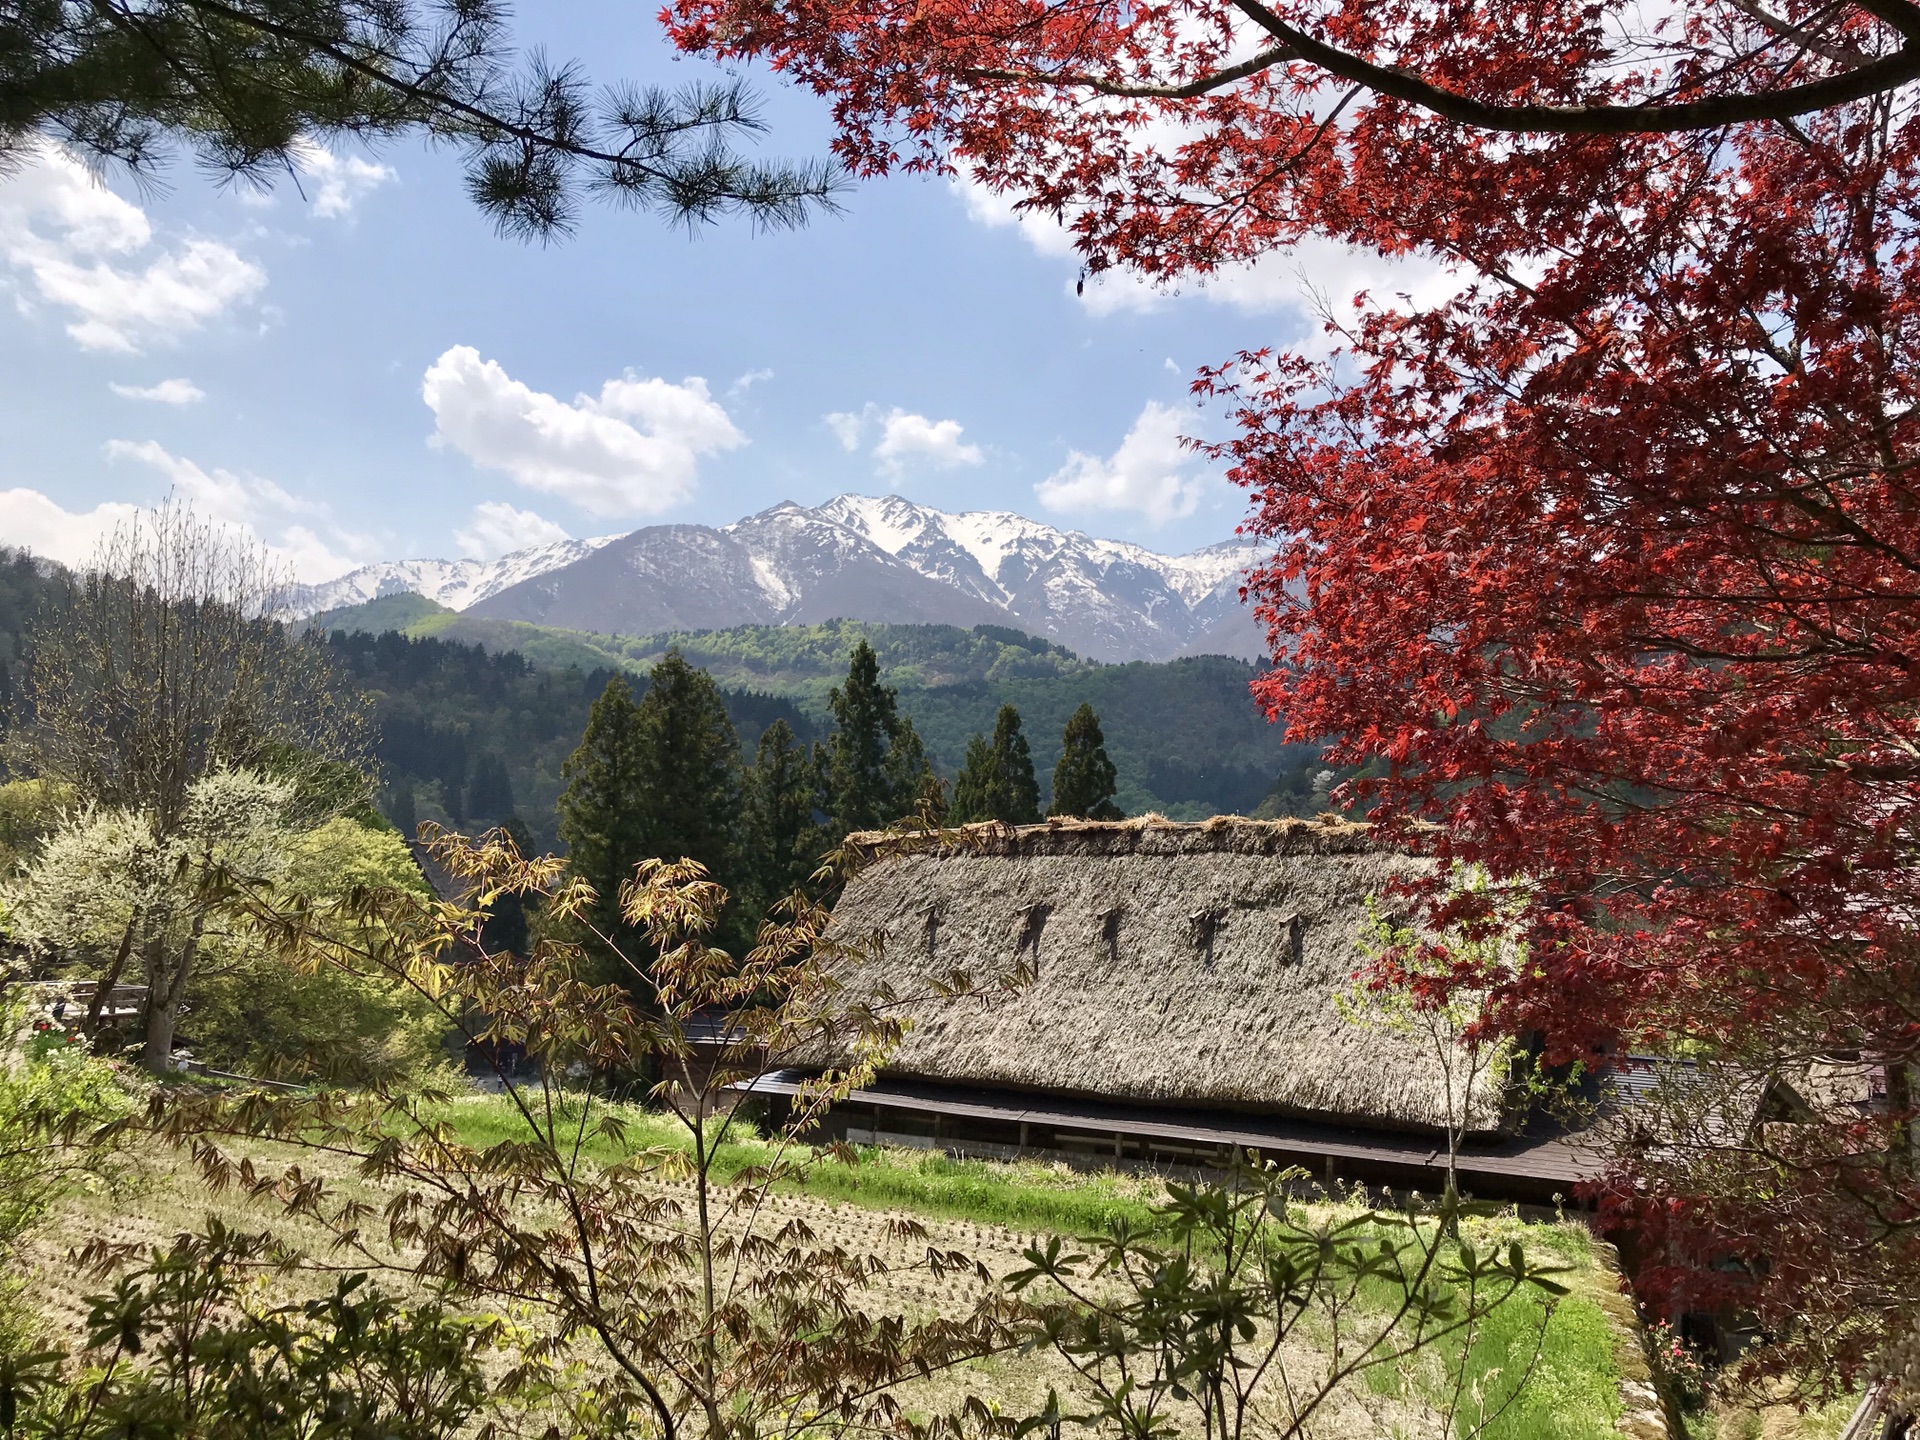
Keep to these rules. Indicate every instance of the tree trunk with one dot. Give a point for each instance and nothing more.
(164, 993)
(162, 1016)
(1901, 1098)
(104, 990)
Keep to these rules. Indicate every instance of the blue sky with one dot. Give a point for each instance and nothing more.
(366, 371)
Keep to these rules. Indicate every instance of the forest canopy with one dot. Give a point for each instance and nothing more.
(1184, 735)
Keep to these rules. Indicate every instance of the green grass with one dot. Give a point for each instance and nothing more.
(1014, 1195)
(1572, 1392)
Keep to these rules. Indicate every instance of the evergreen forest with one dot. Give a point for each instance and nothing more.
(1185, 737)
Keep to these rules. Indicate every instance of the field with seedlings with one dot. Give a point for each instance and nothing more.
(994, 1213)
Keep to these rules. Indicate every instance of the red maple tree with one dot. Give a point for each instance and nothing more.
(1609, 564)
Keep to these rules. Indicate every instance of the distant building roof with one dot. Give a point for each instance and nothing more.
(446, 886)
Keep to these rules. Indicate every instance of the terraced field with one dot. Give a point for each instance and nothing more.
(1575, 1391)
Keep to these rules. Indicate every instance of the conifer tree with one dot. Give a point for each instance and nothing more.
(246, 87)
(933, 804)
(656, 778)
(865, 718)
(688, 793)
(971, 800)
(874, 762)
(908, 770)
(506, 926)
(490, 791)
(782, 838)
(1084, 780)
(599, 810)
(403, 812)
(997, 782)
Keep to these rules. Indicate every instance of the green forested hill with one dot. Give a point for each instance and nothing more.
(1185, 734)
(472, 734)
(475, 735)
(460, 703)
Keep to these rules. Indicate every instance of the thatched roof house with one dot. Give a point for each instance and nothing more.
(1181, 999)
(1172, 964)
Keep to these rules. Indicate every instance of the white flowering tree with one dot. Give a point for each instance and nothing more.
(110, 889)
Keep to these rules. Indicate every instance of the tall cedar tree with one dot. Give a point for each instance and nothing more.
(600, 817)
(874, 762)
(1595, 529)
(656, 779)
(402, 809)
(910, 774)
(688, 799)
(782, 837)
(1084, 780)
(490, 791)
(506, 927)
(997, 782)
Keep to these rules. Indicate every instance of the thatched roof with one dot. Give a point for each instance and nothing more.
(1177, 964)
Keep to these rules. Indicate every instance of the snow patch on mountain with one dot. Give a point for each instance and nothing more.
(858, 557)
(455, 584)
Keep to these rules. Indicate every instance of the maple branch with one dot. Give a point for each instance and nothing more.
(1861, 80)
(1802, 35)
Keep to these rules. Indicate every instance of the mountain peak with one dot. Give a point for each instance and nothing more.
(860, 557)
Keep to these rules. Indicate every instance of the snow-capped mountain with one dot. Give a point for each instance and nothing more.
(1105, 598)
(856, 557)
(455, 584)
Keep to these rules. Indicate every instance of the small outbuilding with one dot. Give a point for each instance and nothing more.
(1178, 999)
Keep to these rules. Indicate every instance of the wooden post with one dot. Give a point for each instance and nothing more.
(1116, 1144)
(1024, 1130)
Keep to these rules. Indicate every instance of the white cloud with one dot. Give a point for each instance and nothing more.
(81, 248)
(167, 392)
(914, 437)
(338, 181)
(496, 528)
(1304, 280)
(218, 494)
(1151, 472)
(904, 438)
(746, 382)
(256, 507)
(635, 448)
(847, 427)
(30, 521)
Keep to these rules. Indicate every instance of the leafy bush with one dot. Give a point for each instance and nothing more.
(54, 1099)
(183, 1346)
(252, 1011)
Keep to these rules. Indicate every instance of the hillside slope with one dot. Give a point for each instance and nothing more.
(1185, 734)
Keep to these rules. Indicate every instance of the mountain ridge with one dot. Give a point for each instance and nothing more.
(881, 559)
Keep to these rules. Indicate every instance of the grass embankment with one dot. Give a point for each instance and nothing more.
(1018, 1195)
(1570, 1392)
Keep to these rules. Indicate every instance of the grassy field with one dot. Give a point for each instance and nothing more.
(1025, 1195)
(1571, 1393)
(992, 1211)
